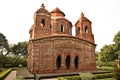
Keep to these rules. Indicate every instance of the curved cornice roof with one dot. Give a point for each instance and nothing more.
(57, 11)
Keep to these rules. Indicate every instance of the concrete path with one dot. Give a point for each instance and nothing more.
(11, 75)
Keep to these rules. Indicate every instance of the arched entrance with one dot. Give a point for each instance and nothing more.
(67, 62)
(58, 62)
(76, 62)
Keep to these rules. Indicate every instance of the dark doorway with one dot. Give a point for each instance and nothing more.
(68, 62)
(43, 23)
(86, 29)
(62, 28)
(58, 62)
(76, 62)
(78, 30)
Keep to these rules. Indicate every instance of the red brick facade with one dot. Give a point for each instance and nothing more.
(53, 49)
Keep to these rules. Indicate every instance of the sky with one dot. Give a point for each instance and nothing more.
(16, 17)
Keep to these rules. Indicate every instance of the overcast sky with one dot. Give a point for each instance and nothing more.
(16, 17)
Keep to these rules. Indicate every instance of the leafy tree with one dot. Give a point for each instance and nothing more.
(3, 43)
(112, 51)
(20, 48)
(3, 60)
(97, 54)
(117, 43)
(117, 38)
(107, 53)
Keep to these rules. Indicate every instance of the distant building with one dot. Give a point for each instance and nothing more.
(53, 49)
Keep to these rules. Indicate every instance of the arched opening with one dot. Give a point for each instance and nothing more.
(86, 29)
(76, 62)
(58, 62)
(62, 28)
(50, 27)
(67, 61)
(70, 31)
(78, 30)
(42, 22)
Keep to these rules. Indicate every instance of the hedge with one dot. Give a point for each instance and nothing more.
(106, 68)
(8, 62)
(5, 73)
(106, 75)
(96, 76)
(107, 79)
(69, 78)
(110, 64)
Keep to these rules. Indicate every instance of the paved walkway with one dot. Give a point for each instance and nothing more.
(11, 75)
(24, 73)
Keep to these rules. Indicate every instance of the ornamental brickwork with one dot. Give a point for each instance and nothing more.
(53, 49)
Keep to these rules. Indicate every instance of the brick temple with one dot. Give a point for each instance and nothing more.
(52, 47)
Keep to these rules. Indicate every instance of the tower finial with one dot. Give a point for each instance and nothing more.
(42, 6)
(82, 15)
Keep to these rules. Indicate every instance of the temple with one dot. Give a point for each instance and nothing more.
(52, 47)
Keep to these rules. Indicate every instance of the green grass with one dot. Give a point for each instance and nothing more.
(106, 68)
(107, 79)
(105, 76)
(4, 73)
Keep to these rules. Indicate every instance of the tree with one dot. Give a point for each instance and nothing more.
(97, 54)
(117, 43)
(112, 51)
(20, 48)
(3, 60)
(107, 53)
(117, 38)
(3, 43)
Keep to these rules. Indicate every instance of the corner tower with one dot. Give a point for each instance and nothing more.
(84, 29)
(41, 26)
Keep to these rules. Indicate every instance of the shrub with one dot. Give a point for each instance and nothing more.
(117, 71)
(70, 78)
(106, 68)
(86, 76)
(61, 78)
(110, 64)
(5, 73)
(107, 75)
(14, 62)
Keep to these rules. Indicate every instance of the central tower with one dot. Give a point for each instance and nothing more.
(60, 25)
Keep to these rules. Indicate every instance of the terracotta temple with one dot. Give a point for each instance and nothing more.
(52, 47)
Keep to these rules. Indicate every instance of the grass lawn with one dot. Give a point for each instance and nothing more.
(4, 73)
(3, 69)
(107, 79)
